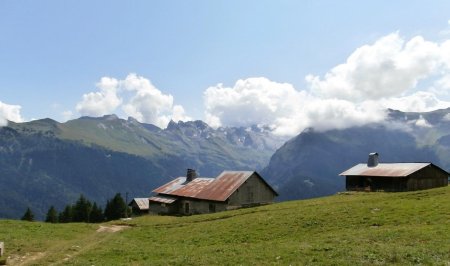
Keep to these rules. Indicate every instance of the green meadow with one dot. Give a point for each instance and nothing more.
(409, 228)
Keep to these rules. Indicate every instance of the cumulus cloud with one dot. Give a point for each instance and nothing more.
(282, 107)
(149, 104)
(385, 69)
(386, 74)
(421, 101)
(251, 101)
(136, 96)
(103, 102)
(9, 112)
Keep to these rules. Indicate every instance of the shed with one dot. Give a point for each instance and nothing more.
(394, 177)
(195, 195)
(139, 205)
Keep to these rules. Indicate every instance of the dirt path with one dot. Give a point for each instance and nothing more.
(23, 260)
(112, 228)
(70, 249)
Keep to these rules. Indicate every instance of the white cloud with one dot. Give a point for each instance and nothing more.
(388, 68)
(446, 117)
(9, 112)
(102, 102)
(422, 122)
(148, 104)
(179, 114)
(280, 106)
(252, 101)
(66, 115)
(386, 74)
(421, 101)
(325, 114)
(136, 96)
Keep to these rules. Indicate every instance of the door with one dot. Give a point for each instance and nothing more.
(186, 208)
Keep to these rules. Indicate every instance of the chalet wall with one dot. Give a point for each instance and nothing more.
(193, 206)
(163, 208)
(376, 183)
(136, 210)
(428, 177)
(253, 191)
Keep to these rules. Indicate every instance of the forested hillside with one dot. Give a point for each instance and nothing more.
(44, 163)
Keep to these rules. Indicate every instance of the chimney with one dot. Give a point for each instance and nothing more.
(191, 175)
(373, 159)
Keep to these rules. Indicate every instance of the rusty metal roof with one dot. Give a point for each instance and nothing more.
(142, 203)
(179, 187)
(162, 199)
(193, 188)
(216, 189)
(385, 169)
(224, 185)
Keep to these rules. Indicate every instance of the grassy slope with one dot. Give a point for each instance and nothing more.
(357, 228)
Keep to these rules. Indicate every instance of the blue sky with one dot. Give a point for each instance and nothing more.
(54, 52)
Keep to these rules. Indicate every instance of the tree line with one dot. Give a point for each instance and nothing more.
(85, 211)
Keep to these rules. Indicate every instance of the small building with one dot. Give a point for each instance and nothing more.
(196, 195)
(394, 177)
(139, 206)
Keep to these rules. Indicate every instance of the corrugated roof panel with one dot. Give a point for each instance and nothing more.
(162, 199)
(385, 169)
(193, 188)
(224, 185)
(142, 203)
(171, 186)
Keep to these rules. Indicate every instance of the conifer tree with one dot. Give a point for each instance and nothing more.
(52, 215)
(66, 216)
(82, 210)
(116, 208)
(28, 215)
(96, 215)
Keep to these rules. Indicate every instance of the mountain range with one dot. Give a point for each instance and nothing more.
(308, 165)
(44, 162)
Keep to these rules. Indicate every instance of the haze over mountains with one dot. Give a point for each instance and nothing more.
(45, 163)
